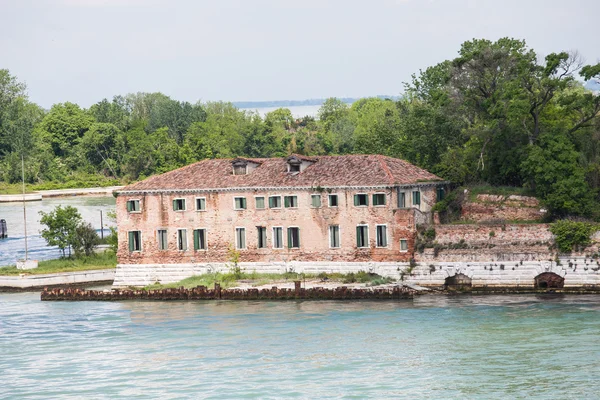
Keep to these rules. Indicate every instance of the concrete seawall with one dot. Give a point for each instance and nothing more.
(21, 282)
(43, 194)
(577, 272)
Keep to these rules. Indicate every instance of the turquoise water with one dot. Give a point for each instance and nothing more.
(433, 347)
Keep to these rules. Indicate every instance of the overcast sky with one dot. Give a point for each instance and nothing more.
(234, 50)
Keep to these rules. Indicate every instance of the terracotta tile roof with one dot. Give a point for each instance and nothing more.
(326, 171)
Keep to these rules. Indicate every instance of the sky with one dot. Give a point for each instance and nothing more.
(256, 50)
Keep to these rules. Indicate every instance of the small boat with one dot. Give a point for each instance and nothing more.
(3, 229)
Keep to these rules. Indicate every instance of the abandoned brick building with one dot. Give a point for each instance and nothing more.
(352, 208)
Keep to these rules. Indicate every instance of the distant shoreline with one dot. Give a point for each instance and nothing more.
(298, 103)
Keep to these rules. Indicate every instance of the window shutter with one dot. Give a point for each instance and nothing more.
(129, 206)
(286, 201)
(175, 205)
(355, 199)
(131, 245)
(366, 200)
(358, 236)
(196, 239)
(289, 238)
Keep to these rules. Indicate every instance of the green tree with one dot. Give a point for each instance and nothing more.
(85, 240)
(61, 227)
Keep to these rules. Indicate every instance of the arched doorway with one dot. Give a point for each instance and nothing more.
(549, 280)
(458, 282)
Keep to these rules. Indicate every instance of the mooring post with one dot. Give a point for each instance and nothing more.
(217, 290)
(297, 288)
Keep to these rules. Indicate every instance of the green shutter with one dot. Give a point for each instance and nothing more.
(358, 236)
(129, 206)
(196, 239)
(298, 237)
(174, 205)
(286, 201)
(366, 199)
(355, 199)
(289, 238)
(131, 246)
(270, 202)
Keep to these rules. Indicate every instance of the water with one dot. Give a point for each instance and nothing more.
(435, 347)
(297, 111)
(13, 248)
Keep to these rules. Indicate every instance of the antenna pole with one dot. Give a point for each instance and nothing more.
(24, 208)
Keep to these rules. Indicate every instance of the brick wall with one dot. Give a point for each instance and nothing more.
(510, 208)
(220, 220)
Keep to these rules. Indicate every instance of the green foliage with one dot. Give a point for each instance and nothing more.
(85, 240)
(572, 235)
(61, 227)
(233, 256)
(496, 114)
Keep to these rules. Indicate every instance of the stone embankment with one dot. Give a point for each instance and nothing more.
(202, 293)
(44, 194)
(29, 282)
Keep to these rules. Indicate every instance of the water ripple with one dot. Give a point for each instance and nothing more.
(435, 347)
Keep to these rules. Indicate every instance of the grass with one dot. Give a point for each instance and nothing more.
(228, 280)
(104, 260)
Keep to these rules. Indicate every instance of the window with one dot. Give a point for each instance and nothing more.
(416, 196)
(401, 200)
(260, 203)
(133, 206)
(135, 241)
(182, 239)
(379, 199)
(239, 203)
(441, 193)
(200, 203)
(277, 237)
(199, 239)
(275, 202)
(262, 237)
(294, 168)
(179, 204)
(382, 240)
(333, 200)
(315, 200)
(403, 245)
(239, 170)
(362, 236)
(361, 200)
(240, 238)
(334, 236)
(293, 236)
(290, 201)
(161, 237)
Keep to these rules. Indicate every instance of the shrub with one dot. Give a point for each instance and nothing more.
(570, 235)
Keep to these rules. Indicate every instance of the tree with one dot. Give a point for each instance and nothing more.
(85, 240)
(61, 227)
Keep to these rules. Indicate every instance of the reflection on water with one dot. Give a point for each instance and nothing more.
(13, 248)
(492, 347)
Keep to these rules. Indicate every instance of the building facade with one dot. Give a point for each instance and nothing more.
(331, 209)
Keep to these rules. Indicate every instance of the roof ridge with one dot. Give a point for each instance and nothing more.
(385, 167)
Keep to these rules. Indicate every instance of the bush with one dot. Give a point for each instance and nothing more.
(85, 240)
(571, 235)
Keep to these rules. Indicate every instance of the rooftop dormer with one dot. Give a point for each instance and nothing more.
(297, 164)
(242, 166)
